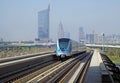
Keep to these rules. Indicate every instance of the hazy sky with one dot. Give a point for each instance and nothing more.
(19, 19)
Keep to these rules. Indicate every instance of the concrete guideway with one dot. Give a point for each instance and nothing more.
(102, 70)
(110, 46)
(94, 71)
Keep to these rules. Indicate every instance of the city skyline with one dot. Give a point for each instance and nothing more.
(19, 18)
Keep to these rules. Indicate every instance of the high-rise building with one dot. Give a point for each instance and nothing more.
(1, 39)
(96, 38)
(81, 34)
(43, 24)
(90, 38)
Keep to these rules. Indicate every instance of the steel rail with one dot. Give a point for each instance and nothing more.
(31, 75)
(82, 74)
(74, 74)
(49, 73)
(17, 73)
(45, 76)
(10, 59)
(65, 71)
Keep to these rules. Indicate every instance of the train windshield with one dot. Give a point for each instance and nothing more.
(63, 43)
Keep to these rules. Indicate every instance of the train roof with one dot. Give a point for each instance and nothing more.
(64, 38)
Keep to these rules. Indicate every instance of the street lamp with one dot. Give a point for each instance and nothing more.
(103, 41)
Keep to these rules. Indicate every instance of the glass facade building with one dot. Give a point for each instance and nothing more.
(81, 34)
(90, 38)
(43, 24)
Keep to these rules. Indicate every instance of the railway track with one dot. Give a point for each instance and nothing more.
(82, 67)
(22, 57)
(12, 70)
(58, 71)
(75, 72)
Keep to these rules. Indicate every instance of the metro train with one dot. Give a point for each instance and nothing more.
(65, 47)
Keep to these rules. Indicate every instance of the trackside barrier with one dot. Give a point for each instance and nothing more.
(112, 73)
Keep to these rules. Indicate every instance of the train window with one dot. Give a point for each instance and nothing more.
(63, 43)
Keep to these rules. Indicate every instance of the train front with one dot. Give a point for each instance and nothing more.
(63, 48)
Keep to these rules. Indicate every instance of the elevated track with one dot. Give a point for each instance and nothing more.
(42, 68)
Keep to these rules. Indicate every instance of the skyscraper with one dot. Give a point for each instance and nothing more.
(81, 34)
(43, 24)
(90, 38)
